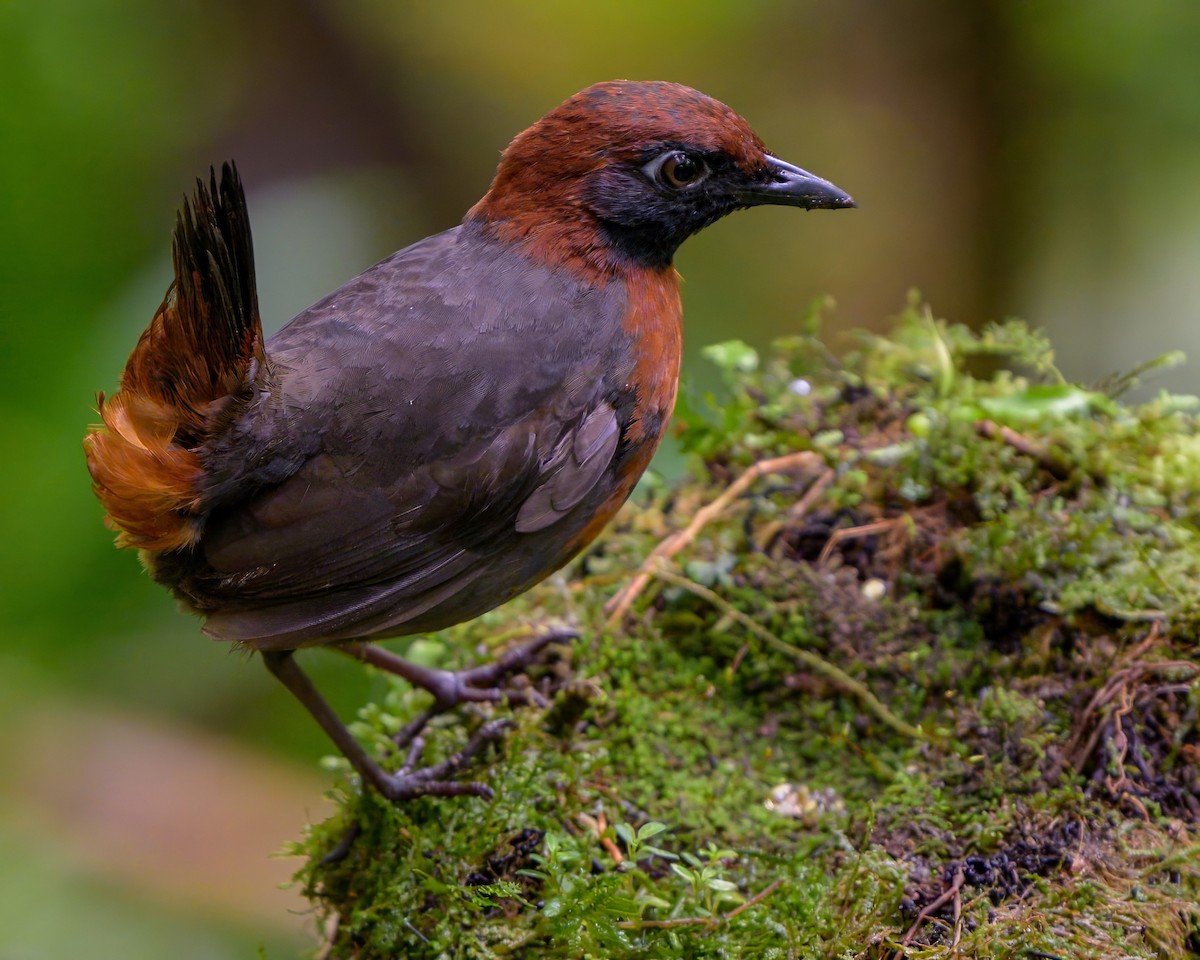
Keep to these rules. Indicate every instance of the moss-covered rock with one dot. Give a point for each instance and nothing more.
(909, 663)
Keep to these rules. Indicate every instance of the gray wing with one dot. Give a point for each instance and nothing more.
(422, 480)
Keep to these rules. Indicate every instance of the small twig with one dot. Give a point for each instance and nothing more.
(1120, 743)
(1153, 633)
(756, 899)
(854, 533)
(620, 604)
(957, 914)
(613, 850)
(834, 674)
(1118, 787)
(1077, 751)
(1120, 681)
(738, 658)
(420, 935)
(598, 825)
(329, 936)
(950, 893)
(1140, 808)
(1045, 457)
(811, 495)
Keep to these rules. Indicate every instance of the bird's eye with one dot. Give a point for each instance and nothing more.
(677, 170)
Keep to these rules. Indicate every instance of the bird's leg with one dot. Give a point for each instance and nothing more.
(406, 782)
(472, 685)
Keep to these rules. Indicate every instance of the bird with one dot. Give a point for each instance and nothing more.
(446, 429)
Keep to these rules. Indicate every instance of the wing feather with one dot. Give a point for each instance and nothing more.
(434, 427)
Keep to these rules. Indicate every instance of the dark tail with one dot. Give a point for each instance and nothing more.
(190, 372)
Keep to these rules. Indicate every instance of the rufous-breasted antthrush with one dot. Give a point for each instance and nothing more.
(446, 429)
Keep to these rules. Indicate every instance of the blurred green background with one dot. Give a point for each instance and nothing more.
(1018, 158)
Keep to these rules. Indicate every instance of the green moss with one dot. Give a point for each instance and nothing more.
(932, 687)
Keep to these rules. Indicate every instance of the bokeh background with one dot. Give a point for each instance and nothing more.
(1009, 158)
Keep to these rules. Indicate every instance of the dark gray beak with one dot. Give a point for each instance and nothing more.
(790, 186)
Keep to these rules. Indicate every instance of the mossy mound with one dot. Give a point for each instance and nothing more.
(910, 668)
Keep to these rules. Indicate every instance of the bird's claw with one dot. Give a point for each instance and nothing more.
(481, 684)
(436, 779)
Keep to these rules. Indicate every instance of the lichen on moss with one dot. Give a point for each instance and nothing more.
(911, 667)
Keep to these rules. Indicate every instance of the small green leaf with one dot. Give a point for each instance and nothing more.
(1053, 401)
(651, 829)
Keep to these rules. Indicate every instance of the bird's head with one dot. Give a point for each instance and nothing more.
(623, 172)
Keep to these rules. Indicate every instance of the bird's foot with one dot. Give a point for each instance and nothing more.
(479, 684)
(409, 781)
(437, 779)
(482, 683)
